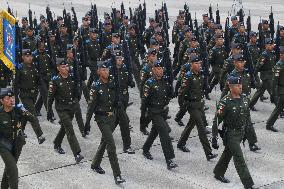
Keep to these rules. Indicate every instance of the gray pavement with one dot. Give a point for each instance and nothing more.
(41, 167)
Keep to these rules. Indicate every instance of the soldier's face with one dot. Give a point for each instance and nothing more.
(103, 73)
(240, 65)
(152, 57)
(132, 31)
(63, 30)
(119, 60)
(30, 33)
(125, 21)
(205, 19)
(265, 26)
(24, 23)
(282, 33)
(242, 29)
(220, 41)
(253, 39)
(282, 56)
(28, 59)
(8, 101)
(236, 89)
(235, 22)
(63, 69)
(108, 27)
(158, 71)
(86, 22)
(196, 66)
(188, 34)
(236, 51)
(69, 54)
(194, 44)
(116, 40)
(93, 36)
(269, 47)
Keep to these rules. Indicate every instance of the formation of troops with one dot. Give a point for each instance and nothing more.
(119, 53)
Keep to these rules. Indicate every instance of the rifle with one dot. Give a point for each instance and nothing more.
(210, 12)
(260, 36)
(249, 65)
(166, 60)
(35, 25)
(127, 59)
(217, 15)
(30, 16)
(74, 20)
(248, 26)
(76, 74)
(227, 36)
(122, 9)
(271, 24)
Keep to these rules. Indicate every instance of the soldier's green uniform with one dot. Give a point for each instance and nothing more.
(106, 37)
(155, 99)
(27, 82)
(278, 91)
(135, 50)
(217, 56)
(233, 112)
(149, 32)
(102, 103)
(265, 66)
(29, 42)
(5, 75)
(191, 94)
(250, 134)
(233, 30)
(46, 70)
(240, 38)
(94, 53)
(62, 91)
(11, 139)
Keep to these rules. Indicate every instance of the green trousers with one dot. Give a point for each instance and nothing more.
(160, 127)
(10, 175)
(275, 113)
(196, 118)
(107, 125)
(265, 85)
(66, 117)
(29, 105)
(233, 149)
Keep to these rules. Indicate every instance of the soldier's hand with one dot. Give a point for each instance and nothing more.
(215, 143)
(132, 84)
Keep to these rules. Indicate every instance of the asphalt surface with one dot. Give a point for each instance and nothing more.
(41, 167)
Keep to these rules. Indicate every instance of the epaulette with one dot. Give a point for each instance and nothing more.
(150, 81)
(55, 78)
(96, 84)
(109, 47)
(20, 66)
(88, 41)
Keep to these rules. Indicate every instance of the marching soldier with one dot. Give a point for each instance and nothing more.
(233, 30)
(11, 137)
(265, 66)
(217, 56)
(241, 72)
(62, 90)
(103, 104)
(29, 42)
(241, 36)
(115, 45)
(106, 35)
(134, 51)
(149, 32)
(204, 26)
(233, 111)
(155, 99)
(83, 31)
(94, 53)
(123, 30)
(145, 74)
(278, 91)
(75, 70)
(191, 94)
(26, 85)
(24, 26)
(46, 70)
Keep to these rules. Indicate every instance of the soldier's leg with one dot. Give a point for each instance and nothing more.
(182, 111)
(66, 122)
(239, 161)
(79, 117)
(223, 163)
(250, 134)
(60, 135)
(123, 122)
(215, 80)
(161, 126)
(38, 104)
(10, 175)
(275, 113)
(86, 91)
(186, 132)
(107, 126)
(198, 120)
(150, 139)
(257, 94)
(29, 105)
(136, 70)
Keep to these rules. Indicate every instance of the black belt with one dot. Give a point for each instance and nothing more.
(101, 113)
